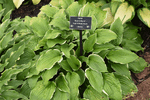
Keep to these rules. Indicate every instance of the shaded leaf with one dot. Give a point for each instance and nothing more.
(60, 95)
(65, 65)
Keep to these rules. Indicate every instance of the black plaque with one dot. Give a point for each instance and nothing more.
(80, 23)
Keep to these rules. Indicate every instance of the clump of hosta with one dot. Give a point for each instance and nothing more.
(42, 61)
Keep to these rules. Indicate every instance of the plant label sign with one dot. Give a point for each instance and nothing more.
(80, 23)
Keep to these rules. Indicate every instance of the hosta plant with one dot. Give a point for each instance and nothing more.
(42, 60)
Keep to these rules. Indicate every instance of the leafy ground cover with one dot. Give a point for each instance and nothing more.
(136, 77)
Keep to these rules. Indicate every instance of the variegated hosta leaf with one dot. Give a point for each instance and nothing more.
(62, 83)
(49, 11)
(48, 74)
(55, 3)
(1, 11)
(12, 95)
(127, 85)
(74, 63)
(52, 42)
(39, 26)
(144, 15)
(114, 6)
(81, 73)
(89, 43)
(73, 80)
(138, 65)
(91, 94)
(25, 89)
(65, 3)
(48, 59)
(112, 86)
(95, 62)
(95, 78)
(105, 35)
(7, 16)
(43, 92)
(73, 9)
(35, 2)
(18, 3)
(52, 34)
(60, 95)
(117, 27)
(3, 27)
(121, 56)
(125, 12)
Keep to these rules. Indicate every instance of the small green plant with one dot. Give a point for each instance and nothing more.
(42, 61)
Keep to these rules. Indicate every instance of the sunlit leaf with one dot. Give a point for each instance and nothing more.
(35, 2)
(65, 3)
(18, 3)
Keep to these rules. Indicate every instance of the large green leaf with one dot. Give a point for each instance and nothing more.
(90, 41)
(52, 42)
(61, 23)
(52, 34)
(73, 80)
(13, 95)
(49, 11)
(61, 13)
(65, 3)
(121, 56)
(3, 27)
(128, 87)
(144, 15)
(48, 60)
(122, 69)
(73, 9)
(62, 84)
(43, 92)
(117, 27)
(114, 6)
(39, 26)
(74, 63)
(81, 73)
(91, 94)
(65, 65)
(25, 89)
(105, 35)
(125, 12)
(95, 62)
(112, 86)
(48, 74)
(138, 65)
(95, 79)
(60, 95)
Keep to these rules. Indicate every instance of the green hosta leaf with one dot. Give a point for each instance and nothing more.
(32, 81)
(62, 84)
(66, 48)
(81, 73)
(61, 13)
(48, 74)
(125, 12)
(73, 9)
(73, 83)
(43, 92)
(1, 13)
(105, 35)
(65, 65)
(55, 3)
(112, 86)
(18, 3)
(122, 69)
(95, 62)
(15, 55)
(25, 89)
(61, 23)
(52, 42)
(138, 65)
(144, 15)
(94, 23)
(48, 60)
(89, 43)
(3, 27)
(5, 40)
(91, 94)
(128, 87)
(74, 63)
(95, 79)
(49, 11)
(114, 6)
(12, 95)
(65, 3)
(121, 56)
(35, 2)
(132, 45)
(9, 5)
(98, 48)
(117, 27)
(60, 95)
(26, 56)
(39, 26)
(52, 34)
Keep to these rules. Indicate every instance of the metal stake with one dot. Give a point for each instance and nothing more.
(81, 46)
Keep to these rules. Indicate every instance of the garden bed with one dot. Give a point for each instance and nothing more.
(142, 80)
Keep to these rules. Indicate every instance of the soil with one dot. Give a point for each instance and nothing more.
(142, 80)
